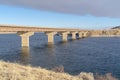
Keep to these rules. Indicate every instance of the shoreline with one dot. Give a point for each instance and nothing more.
(105, 36)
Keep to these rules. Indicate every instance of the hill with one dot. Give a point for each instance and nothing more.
(117, 27)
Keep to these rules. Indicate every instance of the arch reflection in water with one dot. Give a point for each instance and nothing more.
(25, 52)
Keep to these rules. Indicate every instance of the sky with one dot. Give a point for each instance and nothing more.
(83, 14)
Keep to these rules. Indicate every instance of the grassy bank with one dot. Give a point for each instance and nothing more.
(12, 71)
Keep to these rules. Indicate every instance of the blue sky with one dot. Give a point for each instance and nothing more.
(33, 17)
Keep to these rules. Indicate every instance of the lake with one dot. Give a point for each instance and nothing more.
(97, 55)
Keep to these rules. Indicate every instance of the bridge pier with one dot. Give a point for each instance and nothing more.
(64, 36)
(51, 37)
(83, 34)
(25, 38)
(74, 35)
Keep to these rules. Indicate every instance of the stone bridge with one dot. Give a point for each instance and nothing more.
(25, 32)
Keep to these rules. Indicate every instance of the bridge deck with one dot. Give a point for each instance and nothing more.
(5, 28)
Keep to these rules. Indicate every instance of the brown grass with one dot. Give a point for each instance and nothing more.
(14, 71)
(59, 69)
(107, 76)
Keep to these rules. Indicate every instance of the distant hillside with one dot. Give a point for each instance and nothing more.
(117, 27)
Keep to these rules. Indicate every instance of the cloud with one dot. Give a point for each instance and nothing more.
(101, 8)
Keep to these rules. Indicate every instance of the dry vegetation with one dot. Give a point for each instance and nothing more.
(107, 76)
(12, 71)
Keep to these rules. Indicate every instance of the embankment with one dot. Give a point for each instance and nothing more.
(14, 71)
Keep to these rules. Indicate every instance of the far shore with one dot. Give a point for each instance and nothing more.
(105, 36)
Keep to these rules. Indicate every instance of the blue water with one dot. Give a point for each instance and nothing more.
(97, 55)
